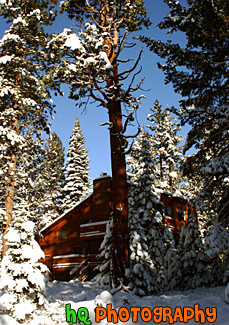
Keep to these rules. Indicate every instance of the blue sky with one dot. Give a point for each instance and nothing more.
(96, 136)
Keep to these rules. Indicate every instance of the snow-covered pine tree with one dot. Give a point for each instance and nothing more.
(2, 200)
(144, 216)
(156, 252)
(24, 83)
(103, 277)
(22, 276)
(2, 219)
(199, 72)
(40, 171)
(194, 262)
(77, 183)
(164, 254)
(28, 169)
(171, 263)
(226, 266)
(190, 187)
(165, 145)
(216, 243)
(25, 104)
(51, 180)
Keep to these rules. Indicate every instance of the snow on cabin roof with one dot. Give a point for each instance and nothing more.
(81, 201)
(104, 176)
(177, 194)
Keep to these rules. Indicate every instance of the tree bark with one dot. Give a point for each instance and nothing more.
(120, 238)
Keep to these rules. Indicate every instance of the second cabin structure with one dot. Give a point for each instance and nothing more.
(72, 241)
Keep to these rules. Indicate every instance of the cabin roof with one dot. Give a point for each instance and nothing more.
(66, 212)
(176, 194)
(77, 204)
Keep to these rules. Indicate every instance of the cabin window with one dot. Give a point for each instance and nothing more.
(181, 214)
(168, 211)
(81, 250)
(185, 215)
(61, 235)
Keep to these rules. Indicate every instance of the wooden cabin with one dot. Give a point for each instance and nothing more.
(72, 241)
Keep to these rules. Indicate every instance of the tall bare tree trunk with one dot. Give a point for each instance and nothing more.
(120, 237)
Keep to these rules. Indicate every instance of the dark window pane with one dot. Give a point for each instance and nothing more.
(61, 235)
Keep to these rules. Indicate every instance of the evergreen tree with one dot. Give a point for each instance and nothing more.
(40, 171)
(51, 181)
(190, 187)
(157, 252)
(194, 262)
(216, 243)
(166, 149)
(144, 216)
(2, 201)
(25, 104)
(77, 178)
(2, 219)
(164, 254)
(171, 263)
(199, 72)
(226, 266)
(22, 276)
(103, 277)
(28, 171)
(24, 95)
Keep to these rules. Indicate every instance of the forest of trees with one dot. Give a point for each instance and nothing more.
(35, 185)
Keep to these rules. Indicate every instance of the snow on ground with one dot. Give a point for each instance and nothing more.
(227, 293)
(89, 295)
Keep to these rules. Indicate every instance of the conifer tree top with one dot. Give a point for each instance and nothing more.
(125, 14)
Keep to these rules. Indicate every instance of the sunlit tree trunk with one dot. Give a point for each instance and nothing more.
(120, 238)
